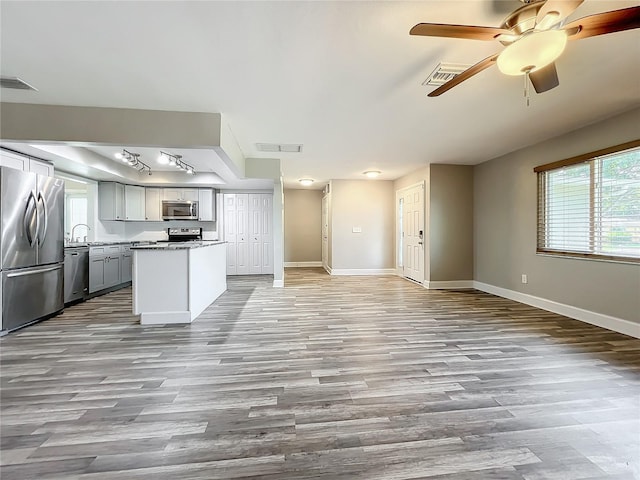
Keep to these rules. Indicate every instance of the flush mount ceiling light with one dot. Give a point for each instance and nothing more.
(133, 160)
(175, 161)
(306, 182)
(372, 173)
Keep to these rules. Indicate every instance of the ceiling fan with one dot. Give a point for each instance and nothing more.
(534, 37)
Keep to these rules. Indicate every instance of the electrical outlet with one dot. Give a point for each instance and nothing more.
(524, 278)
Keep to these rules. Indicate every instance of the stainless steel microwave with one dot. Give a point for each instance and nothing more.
(179, 210)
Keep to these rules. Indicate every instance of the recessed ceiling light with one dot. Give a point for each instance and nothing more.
(306, 182)
(372, 173)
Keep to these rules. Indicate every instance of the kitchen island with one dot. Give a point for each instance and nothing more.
(176, 282)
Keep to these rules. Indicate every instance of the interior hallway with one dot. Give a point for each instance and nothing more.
(327, 378)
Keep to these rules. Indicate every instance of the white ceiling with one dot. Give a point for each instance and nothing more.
(342, 78)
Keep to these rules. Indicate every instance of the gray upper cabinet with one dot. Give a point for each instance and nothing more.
(153, 205)
(25, 163)
(134, 203)
(138, 204)
(41, 168)
(206, 205)
(111, 201)
(190, 194)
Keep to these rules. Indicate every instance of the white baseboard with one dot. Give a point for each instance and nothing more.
(448, 284)
(362, 271)
(302, 264)
(619, 325)
(278, 284)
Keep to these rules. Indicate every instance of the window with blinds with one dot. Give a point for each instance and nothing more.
(589, 206)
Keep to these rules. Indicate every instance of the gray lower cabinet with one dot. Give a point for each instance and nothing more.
(126, 267)
(97, 280)
(112, 271)
(109, 266)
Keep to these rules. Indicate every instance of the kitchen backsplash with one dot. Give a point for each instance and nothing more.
(138, 231)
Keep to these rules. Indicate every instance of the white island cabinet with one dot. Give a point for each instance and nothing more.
(174, 283)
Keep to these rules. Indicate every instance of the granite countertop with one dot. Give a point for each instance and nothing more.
(102, 244)
(178, 245)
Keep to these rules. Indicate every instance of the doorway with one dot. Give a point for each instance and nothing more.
(325, 232)
(411, 232)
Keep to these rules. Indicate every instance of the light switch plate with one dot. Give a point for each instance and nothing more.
(356, 229)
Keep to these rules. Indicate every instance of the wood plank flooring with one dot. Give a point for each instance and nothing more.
(360, 378)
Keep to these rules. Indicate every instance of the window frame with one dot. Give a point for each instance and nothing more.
(542, 198)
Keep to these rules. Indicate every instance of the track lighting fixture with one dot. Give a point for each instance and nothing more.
(133, 160)
(175, 161)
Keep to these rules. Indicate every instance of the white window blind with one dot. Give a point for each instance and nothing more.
(591, 207)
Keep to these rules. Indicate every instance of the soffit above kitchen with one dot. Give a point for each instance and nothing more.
(342, 78)
(85, 140)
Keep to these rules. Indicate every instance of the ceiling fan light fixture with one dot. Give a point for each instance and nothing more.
(532, 52)
(549, 20)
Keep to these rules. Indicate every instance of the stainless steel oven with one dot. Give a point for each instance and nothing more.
(179, 210)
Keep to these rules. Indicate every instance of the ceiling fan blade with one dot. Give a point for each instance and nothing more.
(545, 79)
(468, 73)
(602, 23)
(554, 11)
(457, 31)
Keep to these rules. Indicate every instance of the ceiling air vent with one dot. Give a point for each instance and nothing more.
(279, 147)
(443, 73)
(15, 83)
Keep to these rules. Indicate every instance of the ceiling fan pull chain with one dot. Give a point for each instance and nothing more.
(526, 86)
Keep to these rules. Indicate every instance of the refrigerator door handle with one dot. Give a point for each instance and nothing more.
(33, 272)
(45, 217)
(27, 221)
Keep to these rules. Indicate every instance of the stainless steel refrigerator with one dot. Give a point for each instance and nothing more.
(31, 246)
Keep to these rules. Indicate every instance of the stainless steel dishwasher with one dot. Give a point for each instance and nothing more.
(76, 273)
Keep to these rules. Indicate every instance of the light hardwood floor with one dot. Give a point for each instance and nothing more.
(328, 378)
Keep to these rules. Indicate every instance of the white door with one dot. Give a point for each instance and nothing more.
(230, 231)
(255, 233)
(267, 233)
(325, 232)
(242, 237)
(412, 232)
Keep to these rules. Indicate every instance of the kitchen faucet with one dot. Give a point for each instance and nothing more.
(78, 225)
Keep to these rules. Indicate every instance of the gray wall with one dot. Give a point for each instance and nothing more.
(505, 196)
(451, 223)
(302, 225)
(448, 220)
(117, 126)
(368, 204)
